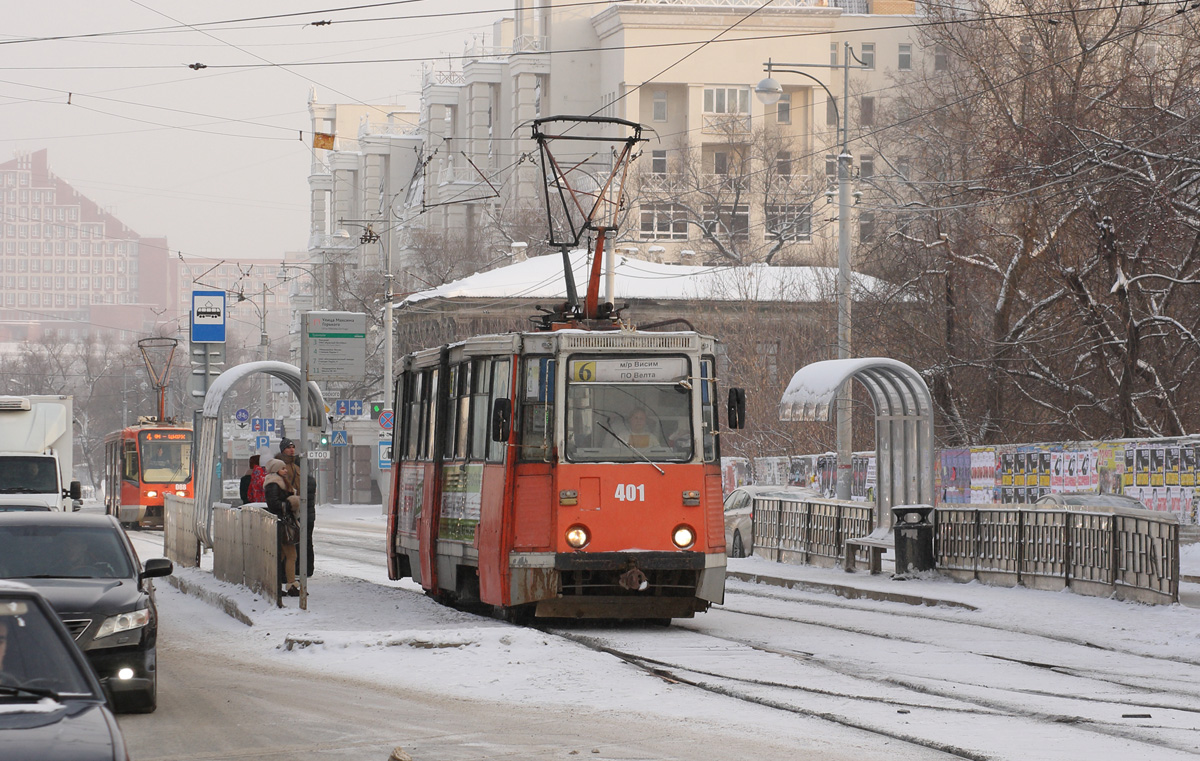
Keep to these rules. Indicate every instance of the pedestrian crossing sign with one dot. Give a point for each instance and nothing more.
(338, 439)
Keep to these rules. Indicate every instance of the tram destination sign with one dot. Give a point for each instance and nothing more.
(335, 346)
(629, 370)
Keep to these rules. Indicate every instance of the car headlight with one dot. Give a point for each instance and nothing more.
(683, 536)
(577, 537)
(123, 622)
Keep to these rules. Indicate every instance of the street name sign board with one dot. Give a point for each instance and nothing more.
(336, 344)
(208, 317)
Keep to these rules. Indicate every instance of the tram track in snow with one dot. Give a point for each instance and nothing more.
(1125, 719)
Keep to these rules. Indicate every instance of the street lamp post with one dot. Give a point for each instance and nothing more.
(768, 92)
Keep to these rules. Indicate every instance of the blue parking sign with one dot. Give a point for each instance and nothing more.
(262, 442)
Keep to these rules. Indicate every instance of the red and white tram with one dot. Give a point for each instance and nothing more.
(143, 463)
(567, 473)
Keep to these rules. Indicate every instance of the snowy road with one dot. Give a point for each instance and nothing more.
(1007, 674)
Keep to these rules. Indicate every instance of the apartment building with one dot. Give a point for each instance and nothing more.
(69, 267)
(724, 177)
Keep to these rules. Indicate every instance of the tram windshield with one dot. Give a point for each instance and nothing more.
(629, 409)
(166, 456)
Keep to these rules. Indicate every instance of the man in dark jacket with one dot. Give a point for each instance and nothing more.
(287, 453)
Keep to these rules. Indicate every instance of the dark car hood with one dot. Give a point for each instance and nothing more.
(96, 596)
(48, 731)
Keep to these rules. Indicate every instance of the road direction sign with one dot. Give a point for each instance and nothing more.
(208, 317)
(338, 439)
(242, 415)
(266, 424)
(386, 420)
(348, 407)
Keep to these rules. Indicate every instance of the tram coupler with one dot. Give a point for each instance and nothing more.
(634, 580)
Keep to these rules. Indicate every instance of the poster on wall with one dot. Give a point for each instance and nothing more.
(1171, 476)
(1187, 466)
(1158, 461)
(1141, 467)
(983, 476)
(1110, 467)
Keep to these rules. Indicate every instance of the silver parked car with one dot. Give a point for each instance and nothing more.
(1089, 501)
(739, 514)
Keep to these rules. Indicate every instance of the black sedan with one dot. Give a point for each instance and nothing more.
(87, 569)
(52, 708)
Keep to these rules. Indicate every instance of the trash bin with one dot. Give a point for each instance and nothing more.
(913, 532)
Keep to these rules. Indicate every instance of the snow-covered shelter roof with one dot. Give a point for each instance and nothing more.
(635, 279)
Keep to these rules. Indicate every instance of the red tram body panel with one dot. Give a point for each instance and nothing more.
(561, 474)
(143, 463)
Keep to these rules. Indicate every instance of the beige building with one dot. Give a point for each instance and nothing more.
(755, 176)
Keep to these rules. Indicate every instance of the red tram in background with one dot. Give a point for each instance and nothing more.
(143, 463)
(568, 474)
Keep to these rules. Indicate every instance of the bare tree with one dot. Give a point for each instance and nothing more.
(1041, 195)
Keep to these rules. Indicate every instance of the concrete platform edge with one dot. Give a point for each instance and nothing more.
(850, 593)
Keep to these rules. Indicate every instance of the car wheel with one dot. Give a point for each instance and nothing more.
(738, 550)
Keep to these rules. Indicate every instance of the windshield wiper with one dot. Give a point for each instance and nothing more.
(631, 446)
(20, 689)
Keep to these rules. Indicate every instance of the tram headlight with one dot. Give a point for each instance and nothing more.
(578, 536)
(181, 493)
(151, 493)
(683, 536)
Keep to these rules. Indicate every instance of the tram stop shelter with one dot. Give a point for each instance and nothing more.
(903, 423)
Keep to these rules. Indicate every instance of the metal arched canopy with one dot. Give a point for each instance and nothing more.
(289, 374)
(811, 395)
(903, 422)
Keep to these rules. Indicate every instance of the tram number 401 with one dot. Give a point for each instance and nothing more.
(631, 492)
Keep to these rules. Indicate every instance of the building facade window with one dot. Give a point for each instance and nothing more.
(941, 58)
(866, 111)
(783, 109)
(788, 221)
(658, 162)
(867, 55)
(866, 225)
(866, 166)
(783, 163)
(663, 221)
(660, 106)
(904, 59)
(727, 100)
(728, 220)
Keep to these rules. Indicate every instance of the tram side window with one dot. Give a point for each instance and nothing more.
(480, 409)
(429, 414)
(537, 409)
(412, 418)
(129, 462)
(708, 410)
(457, 412)
(400, 419)
(501, 381)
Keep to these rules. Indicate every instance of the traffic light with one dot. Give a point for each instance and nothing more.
(324, 439)
(376, 409)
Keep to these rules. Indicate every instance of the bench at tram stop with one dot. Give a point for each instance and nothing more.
(876, 543)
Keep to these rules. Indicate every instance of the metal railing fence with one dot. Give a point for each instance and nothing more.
(1131, 554)
(1127, 553)
(811, 532)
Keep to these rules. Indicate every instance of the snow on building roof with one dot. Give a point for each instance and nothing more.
(542, 278)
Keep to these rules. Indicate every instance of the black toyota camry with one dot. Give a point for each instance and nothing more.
(87, 569)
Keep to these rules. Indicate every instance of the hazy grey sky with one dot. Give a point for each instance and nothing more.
(212, 159)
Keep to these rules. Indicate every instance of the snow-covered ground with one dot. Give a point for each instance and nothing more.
(362, 625)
